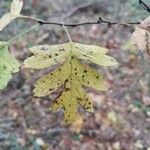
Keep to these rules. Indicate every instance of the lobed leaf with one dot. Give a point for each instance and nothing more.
(68, 103)
(50, 49)
(72, 75)
(49, 83)
(88, 76)
(46, 55)
(82, 97)
(72, 96)
(94, 54)
(89, 49)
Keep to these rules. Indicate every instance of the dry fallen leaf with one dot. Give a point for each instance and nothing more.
(146, 24)
(141, 38)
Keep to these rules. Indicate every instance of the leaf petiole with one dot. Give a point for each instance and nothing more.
(67, 33)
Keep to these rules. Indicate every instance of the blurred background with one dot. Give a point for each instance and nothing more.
(122, 114)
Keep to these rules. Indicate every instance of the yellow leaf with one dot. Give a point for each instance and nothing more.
(47, 55)
(89, 49)
(103, 60)
(94, 54)
(72, 76)
(53, 50)
(38, 62)
(81, 96)
(49, 83)
(15, 9)
(69, 100)
(88, 76)
(74, 93)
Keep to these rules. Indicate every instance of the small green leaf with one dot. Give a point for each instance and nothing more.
(8, 65)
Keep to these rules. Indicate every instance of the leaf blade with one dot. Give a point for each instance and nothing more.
(8, 65)
(89, 76)
(15, 10)
(5, 20)
(46, 55)
(16, 7)
(49, 83)
(72, 76)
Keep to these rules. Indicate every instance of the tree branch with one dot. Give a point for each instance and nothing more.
(144, 5)
(98, 21)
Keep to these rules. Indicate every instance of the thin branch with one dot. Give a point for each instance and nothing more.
(98, 21)
(144, 5)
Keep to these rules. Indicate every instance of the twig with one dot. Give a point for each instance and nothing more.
(144, 5)
(67, 33)
(99, 21)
